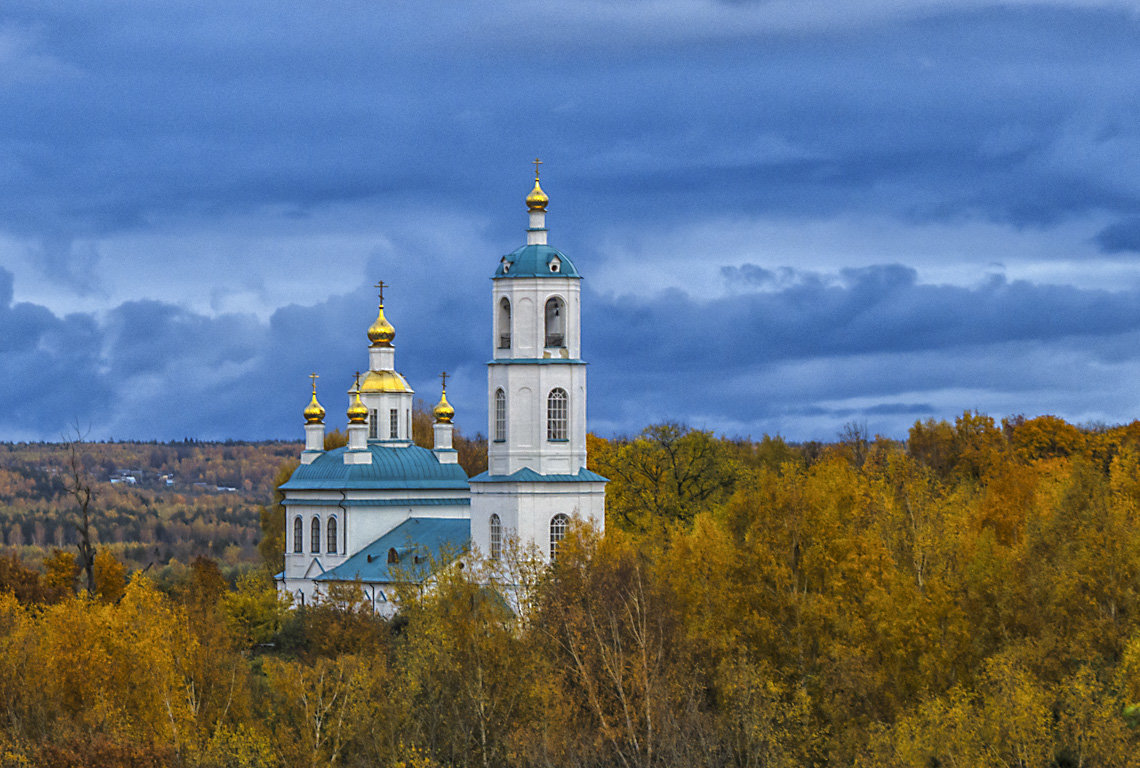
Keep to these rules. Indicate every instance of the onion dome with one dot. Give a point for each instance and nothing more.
(381, 332)
(443, 411)
(315, 412)
(357, 413)
(384, 381)
(537, 199)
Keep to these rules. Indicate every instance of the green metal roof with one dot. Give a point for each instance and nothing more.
(419, 542)
(392, 467)
(450, 501)
(528, 475)
(534, 261)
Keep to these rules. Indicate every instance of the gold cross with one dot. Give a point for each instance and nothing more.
(537, 163)
(443, 380)
(382, 285)
(314, 377)
(358, 381)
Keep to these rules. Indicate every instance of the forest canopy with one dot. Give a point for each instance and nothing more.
(967, 597)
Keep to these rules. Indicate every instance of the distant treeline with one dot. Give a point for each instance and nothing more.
(968, 597)
(152, 501)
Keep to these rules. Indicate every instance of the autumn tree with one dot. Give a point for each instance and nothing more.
(79, 485)
(665, 475)
(272, 518)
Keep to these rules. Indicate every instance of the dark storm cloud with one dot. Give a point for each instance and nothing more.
(149, 369)
(874, 334)
(1121, 237)
(118, 119)
(160, 109)
(872, 309)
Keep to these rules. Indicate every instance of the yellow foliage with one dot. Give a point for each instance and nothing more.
(110, 576)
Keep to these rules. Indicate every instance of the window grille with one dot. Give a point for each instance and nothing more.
(315, 535)
(558, 525)
(556, 414)
(500, 416)
(496, 538)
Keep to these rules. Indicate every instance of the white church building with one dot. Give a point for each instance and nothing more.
(382, 510)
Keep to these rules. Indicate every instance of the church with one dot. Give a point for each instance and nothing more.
(382, 510)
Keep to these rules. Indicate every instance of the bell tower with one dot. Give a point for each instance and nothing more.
(536, 389)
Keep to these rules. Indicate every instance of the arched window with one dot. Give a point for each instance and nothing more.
(315, 535)
(500, 416)
(555, 322)
(558, 525)
(330, 536)
(504, 324)
(557, 409)
(393, 556)
(496, 538)
(372, 425)
(298, 531)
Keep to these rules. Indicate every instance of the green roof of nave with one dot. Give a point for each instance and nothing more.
(534, 261)
(403, 467)
(420, 544)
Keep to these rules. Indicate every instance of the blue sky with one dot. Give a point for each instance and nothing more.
(789, 215)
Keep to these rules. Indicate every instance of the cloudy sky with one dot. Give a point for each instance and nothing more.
(790, 215)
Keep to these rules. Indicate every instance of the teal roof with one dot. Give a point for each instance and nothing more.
(537, 361)
(528, 475)
(392, 467)
(420, 542)
(448, 501)
(534, 261)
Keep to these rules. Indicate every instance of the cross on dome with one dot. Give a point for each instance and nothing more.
(314, 413)
(381, 332)
(443, 411)
(537, 200)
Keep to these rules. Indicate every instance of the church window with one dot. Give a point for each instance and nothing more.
(555, 264)
(315, 535)
(394, 424)
(496, 538)
(504, 324)
(298, 531)
(556, 415)
(372, 425)
(330, 534)
(393, 556)
(558, 525)
(555, 322)
(500, 416)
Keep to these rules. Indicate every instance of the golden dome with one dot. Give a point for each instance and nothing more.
(357, 413)
(384, 381)
(537, 199)
(443, 411)
(381, 332)
(315, 413)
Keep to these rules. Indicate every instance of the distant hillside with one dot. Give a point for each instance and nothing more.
(153, 501)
